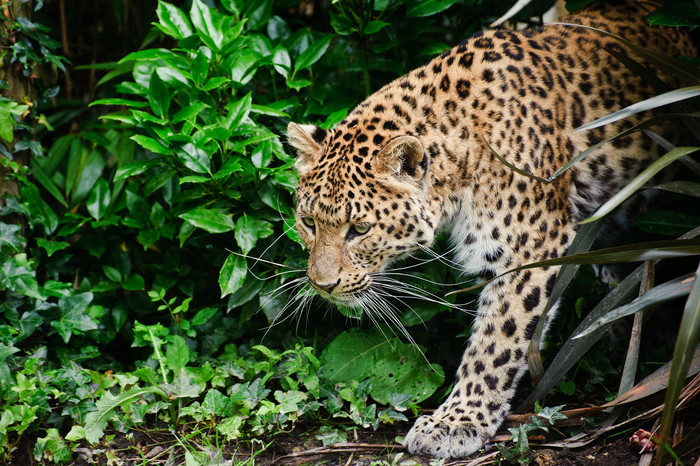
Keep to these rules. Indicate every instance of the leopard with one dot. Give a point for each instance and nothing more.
(417, 158)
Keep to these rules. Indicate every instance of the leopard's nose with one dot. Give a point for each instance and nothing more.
(324, 287)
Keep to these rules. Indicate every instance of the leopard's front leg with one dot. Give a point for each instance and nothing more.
(494, 360)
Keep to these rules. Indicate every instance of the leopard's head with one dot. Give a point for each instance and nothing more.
(362, 202)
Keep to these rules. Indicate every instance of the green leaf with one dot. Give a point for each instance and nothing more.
(195, 158)
(405, 371)
(200, 68)
(374, 26)
(134, 283)
(133, 169)
(249, 230)
(298, 84)
(48, 245)
(10, 237)
(96, 421)
(666, 222)
(99, 199)
(211, 220)
(177, 354)
(281, 61)
(420, 8)
(204, 315)
(90, 172)
(73, 315)
(7, 124)
(675, 14)
(173, 21)
(208, 25)
(120, 102)
(232, 274)
(151, 144)
(158, 96)
(312, 53)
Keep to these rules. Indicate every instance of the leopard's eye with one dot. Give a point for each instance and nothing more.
(309, 222)
(359, 229)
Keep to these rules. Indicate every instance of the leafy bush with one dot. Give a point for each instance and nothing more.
(142, 245)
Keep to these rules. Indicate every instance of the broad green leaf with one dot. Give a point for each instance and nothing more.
(73, 315)
(151, 144)
(99, 199)
(249, 230)
(194, 158)
(42, 177)
(138, 208)
(407, 372)
(89, 174)
(200, 68)
(281, 61)
(298, 84)
(134, 283)
(312, 53)
(177, 354)
(133, 169)
(420, 8)
(211, 220)
(10, 237)
(374, 26)
(207, 22)
(666, 222)
(158, 96)
(232, 274)
(7, 124)
(245, 66)
(353, 353)
(173, 21)
(49, 246)
(189, 112)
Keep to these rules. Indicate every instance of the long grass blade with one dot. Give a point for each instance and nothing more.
(687, 340)
(639, 181)
(581, 243)
(659, 294)
(572, 350)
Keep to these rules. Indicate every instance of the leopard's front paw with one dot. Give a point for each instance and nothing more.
(444, 439)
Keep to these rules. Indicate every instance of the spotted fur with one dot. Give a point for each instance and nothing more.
(412, 159)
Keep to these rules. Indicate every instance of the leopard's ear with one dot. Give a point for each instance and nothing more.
(404, 156)
(307, 140)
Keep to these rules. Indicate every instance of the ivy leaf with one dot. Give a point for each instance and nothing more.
(74, 315)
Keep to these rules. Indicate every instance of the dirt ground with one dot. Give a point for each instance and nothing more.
(364, 448)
